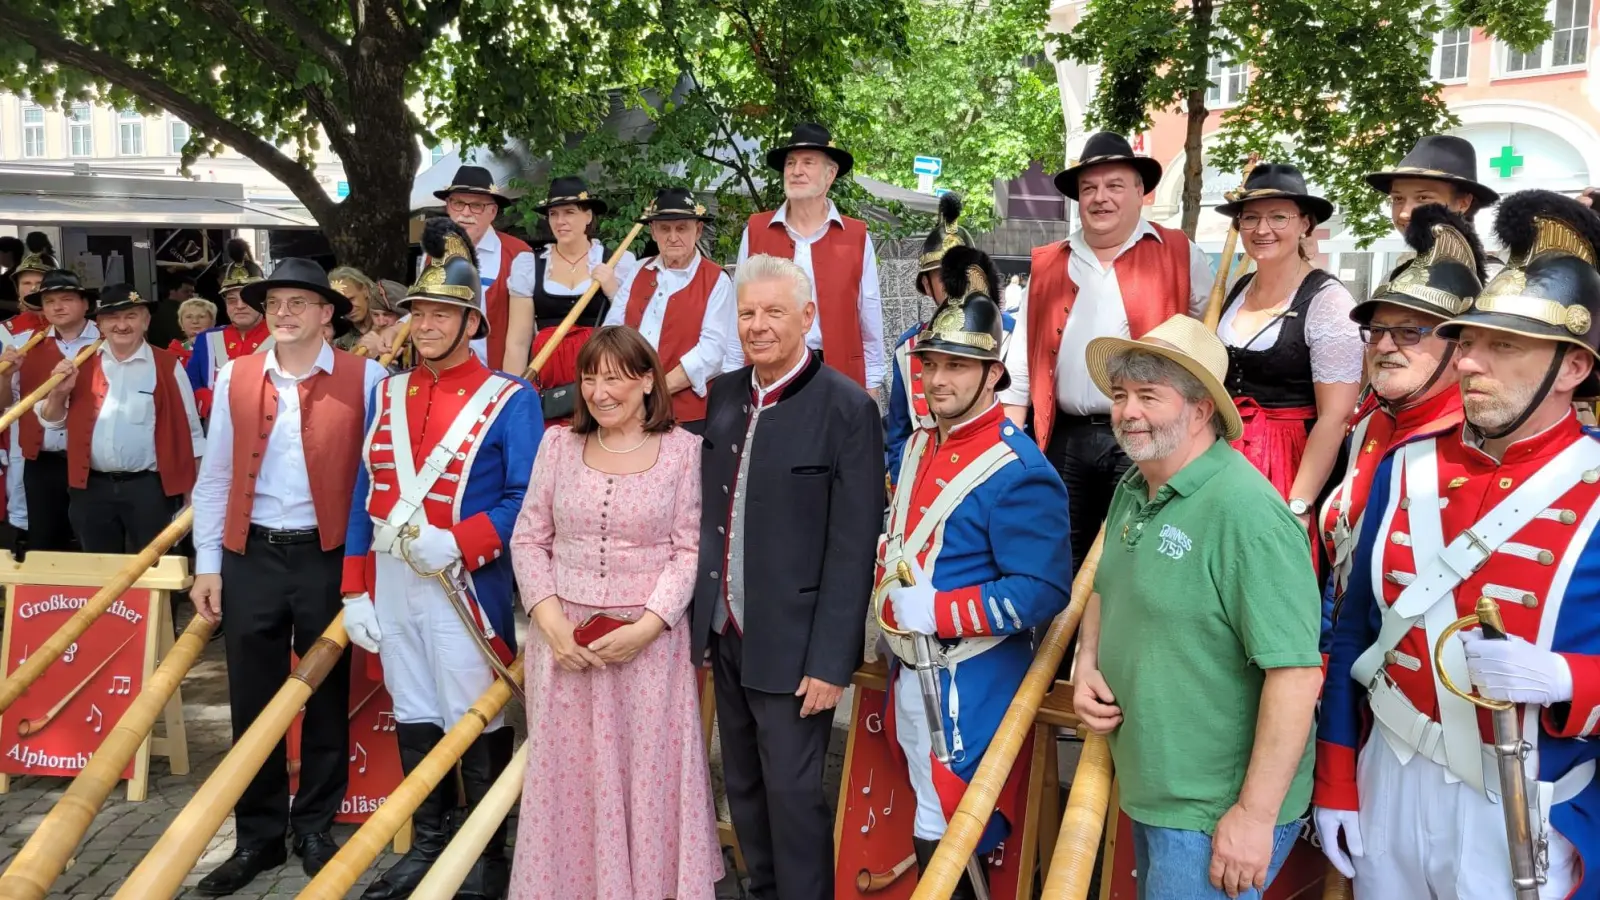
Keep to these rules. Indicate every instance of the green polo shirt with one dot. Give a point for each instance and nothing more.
(1201, 589)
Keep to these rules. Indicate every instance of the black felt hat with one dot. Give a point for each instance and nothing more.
(1278, 181)
(56, 281)
(572, 190)
(474, 180)
(811, 136)
(1439, 157)
(305, 274)
(1104, 147)
(673, 204)
(118, 297)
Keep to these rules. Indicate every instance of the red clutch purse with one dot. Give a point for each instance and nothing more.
(596, 627)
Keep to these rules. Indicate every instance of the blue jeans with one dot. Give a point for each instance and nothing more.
(1175, 864)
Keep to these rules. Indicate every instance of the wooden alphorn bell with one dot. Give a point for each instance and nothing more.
(21, 407)
(51, 650)
(977, 804)
(1219, 287)
(46, 854)
(163, 869)
(367, 844)
(543, 356)
(463, 851)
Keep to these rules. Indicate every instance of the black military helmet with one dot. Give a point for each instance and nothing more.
(1443, 278)
(944, 235)
(452, 272)
(968, 322)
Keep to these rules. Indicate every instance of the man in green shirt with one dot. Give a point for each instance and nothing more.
(1197, 654)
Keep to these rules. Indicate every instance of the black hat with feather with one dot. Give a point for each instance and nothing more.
(451, 275)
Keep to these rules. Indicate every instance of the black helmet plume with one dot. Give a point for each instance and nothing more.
(956, 271)
(435, 232)
(1420, 232)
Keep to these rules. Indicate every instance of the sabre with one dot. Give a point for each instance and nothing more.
(932, 704)
(1529, 854)
(452, 592)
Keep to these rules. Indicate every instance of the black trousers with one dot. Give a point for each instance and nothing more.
(44, 482)
(278, 596)
(119, 512)
(1085, 452)
(772, 766)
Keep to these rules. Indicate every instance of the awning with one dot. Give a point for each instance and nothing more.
(164, 212)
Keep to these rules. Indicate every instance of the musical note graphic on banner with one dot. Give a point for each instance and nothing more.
(120, 684)
(24, 657)
(385, 722)
(95, 716)
(362, 752)
(997, 857)
(70, 652)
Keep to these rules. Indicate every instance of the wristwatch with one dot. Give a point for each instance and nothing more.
(1299, 507)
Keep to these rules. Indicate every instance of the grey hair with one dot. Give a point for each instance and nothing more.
(1144, 367)
(763, 267)
(200, 303)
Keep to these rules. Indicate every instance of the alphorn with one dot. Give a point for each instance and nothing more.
(367, 844)
(29, 344)
(48, 652)
(463, 851)
(44, 857)
(162, 871)
(399, 344)
(873, 882)
(543, 356)
(21, 407)
(1083, 823)
(34, 726)
(1219, 287)
(977, 804)
(1335, 886)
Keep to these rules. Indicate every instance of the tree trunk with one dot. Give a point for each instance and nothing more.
(1193, 147)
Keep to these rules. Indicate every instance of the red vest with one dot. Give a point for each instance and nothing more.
(25, 322)
(680, 327)
(497, 299)
(836, 264)
(35, 370)
(332, 425)
(1155, 273)
(174, 446)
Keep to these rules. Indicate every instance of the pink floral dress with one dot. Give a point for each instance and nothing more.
(616, 804)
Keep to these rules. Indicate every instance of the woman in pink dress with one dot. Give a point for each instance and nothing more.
(616, 804)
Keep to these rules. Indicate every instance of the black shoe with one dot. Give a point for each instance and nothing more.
(314, 850)
(490, 876)
(241, 868)
(429, 824)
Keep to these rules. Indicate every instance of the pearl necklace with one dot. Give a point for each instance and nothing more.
(602, 440)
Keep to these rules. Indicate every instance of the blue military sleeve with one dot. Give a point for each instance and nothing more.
(358, 529)
(897, 424)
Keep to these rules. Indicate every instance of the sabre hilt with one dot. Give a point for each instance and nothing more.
(1487, 615)
(901, 577)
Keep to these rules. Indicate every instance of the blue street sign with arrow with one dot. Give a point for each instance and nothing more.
(927, 165)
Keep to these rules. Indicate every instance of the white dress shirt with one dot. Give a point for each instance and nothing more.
(55, 439)
(1098, 311)
(16, 495)
(519, 281)
(869, 298)
(283, 488)
(125, 433)
(718, 349)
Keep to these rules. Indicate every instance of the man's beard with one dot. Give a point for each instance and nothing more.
(809, 191)
(1491, 414)
(1393, 384)
(1158, 442)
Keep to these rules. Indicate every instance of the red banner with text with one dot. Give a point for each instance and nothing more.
(374, 752)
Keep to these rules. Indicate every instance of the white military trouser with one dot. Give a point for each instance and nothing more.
(911, 729)
(431, 666)
(1426, 839)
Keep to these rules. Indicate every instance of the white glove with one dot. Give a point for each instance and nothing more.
(433, 549)
(361, 622)
(1329, 823)
(913, 606)
(1516, 670)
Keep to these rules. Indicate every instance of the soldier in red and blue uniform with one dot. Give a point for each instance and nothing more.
(981, 521)
(1412, 384)
(908, 408)
(245, 333)
(1407, 791)
(449, 450)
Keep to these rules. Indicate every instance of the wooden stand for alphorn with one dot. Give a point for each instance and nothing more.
(87, 570)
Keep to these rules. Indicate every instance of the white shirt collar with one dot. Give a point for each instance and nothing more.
(490, 242)
(687, 271)
(782, 215)
(90, 331)
(781, 383)
(1081, 246)
(143, 353)
(324, 362)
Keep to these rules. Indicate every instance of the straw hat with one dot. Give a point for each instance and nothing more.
(1185, 341)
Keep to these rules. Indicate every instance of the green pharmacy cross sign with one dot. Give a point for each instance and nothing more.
(1507, 162)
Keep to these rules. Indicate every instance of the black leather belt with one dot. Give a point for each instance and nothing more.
(1100, 419)
(123, 476)
(284, 536)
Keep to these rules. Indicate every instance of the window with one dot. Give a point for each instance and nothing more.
(1450, 54)
(80, 131)
(130, 133)
(1568, 45)
(1228, 81)
(178, 132)
(32, 131)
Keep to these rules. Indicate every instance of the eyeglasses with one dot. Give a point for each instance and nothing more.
(292, 305)
(477, 208)
(1277, 222)
(1402, 335)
